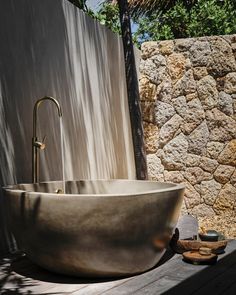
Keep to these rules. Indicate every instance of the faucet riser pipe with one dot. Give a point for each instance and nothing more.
(35, 161)
(35, 143)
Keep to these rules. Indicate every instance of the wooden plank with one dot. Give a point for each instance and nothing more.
(157, 287)
(219, 284)
(63, 288)
(99, 288)
(231, 290)
(146, 278)
(185, 271)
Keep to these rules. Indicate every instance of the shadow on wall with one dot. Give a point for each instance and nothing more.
(51, 48)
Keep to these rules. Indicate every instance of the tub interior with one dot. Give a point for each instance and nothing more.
(95, 186)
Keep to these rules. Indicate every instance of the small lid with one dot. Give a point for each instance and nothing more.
(205, 251)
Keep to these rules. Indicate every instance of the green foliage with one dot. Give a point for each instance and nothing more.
(212, 18)
(203, 18)
(108, 15)
(178, 19)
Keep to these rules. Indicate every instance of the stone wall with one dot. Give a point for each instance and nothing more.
(188, 97)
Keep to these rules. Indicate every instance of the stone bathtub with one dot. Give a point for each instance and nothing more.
(99, 228)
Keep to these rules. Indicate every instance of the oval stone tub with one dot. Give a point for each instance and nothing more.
(99, 228)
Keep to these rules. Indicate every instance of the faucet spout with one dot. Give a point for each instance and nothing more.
(35, 143)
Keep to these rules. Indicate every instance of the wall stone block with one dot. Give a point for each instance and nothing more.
(173, 176)
(230, 38)
(220, 83)
(209, 191)
(192, 113)
(155, 168)
(234, 108)
(154, 69)
(233, 179)
(222, 127)
(234, 49)
(149, 69)
(192, 160)
(200, 52)
(163, 112)
(165, 91)
(149, 49)
(147, 89)
(166, 47)
(186, 85)
(196, 175)
(183, 45)
(169, 129)
(221, 60)
(191, 96)
(176, 64)
(192, 197)
(226, 199)
(151, 139)
(148, 111)
(159, 60)
(202, 210)
(228, 155)
(223, 173)
(207, 91)
(208, 164)
(175, 153)
(226, 103)
(214, 148)
(198, 139)
(230, 83)
(199, 72)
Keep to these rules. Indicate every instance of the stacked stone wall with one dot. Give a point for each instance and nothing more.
(188, 98)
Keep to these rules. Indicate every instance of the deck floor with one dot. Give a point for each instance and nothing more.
(173, 276)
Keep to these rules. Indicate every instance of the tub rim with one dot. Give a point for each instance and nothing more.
(173, 187)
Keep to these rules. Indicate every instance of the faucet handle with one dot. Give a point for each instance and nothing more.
(40, 145)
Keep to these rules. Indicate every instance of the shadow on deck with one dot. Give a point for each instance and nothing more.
(219, 278)
(18, 275)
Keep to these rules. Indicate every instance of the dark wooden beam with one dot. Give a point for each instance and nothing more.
(133, 92)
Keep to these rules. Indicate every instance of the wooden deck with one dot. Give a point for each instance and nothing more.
(173, 276)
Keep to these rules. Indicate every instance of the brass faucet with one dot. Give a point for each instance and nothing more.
(38, 144)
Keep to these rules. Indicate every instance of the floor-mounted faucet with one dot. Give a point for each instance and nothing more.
(39, 144)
